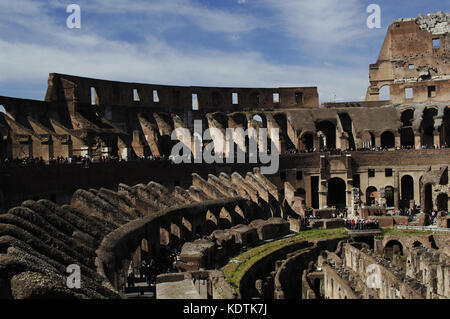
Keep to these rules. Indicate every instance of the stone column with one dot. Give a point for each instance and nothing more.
(164, 232)
(437, 138)
(417, 141)
(377, 141)
(154, 240)
(398, 142)
(396, 189)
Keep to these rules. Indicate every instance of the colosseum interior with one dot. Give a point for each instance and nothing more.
(357, 210)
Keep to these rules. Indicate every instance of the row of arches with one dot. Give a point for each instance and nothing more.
(427, 128)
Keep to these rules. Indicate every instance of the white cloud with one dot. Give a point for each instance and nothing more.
(321, 25)
(208, 19)
(46, 46)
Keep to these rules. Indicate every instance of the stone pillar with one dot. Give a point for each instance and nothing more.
(398, 142)
(417, 141)
(164, 231)
(175, 229)
(377, 141)
(437, 138)
(154, 240)
(186, 229)
(396, 189)
(322, 195)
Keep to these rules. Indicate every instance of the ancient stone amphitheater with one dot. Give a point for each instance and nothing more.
(102, 230)
(64, 200)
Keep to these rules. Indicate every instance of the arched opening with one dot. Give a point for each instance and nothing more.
(389, 196)
(418, 244)
(225, 219)
(2, 109)
(211, 222)
(428, 198)
(368, 140)
(407, 184)
(393, 247)
(407, 137)
(387, 140)
(407, 132)
(329, 131)
(285, 141)
(385, 93)
(442, 202)
(427, 127)
(371, 195)
(336, 193)
(346, 122)
(307, 141)
(258, 119)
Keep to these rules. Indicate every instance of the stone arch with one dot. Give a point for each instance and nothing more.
(212, 222)
(391, 245)
(385, 93)
(240, 215)
(407, 131)
(307, 141)
(417, 244)
(427, 127)
(389, 196)
(225, 219)
(336, 195)
(329, 130)
(387, 139)
(258, 119)
(368, 139)
(407, 190)
(347, 126)
(407, 137)
(371, 195)
(442, 202)
(407, 116)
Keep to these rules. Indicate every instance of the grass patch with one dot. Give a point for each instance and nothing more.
(402, 232)
(234, 271)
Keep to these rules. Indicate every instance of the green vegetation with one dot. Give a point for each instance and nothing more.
(402, 232)
(238, 266)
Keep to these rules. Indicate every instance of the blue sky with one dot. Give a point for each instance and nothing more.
(238, 43)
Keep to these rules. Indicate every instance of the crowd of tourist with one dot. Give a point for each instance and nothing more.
(403, 212)
(79, 160)
(30, 161)
(337, 151)
(361, 224)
